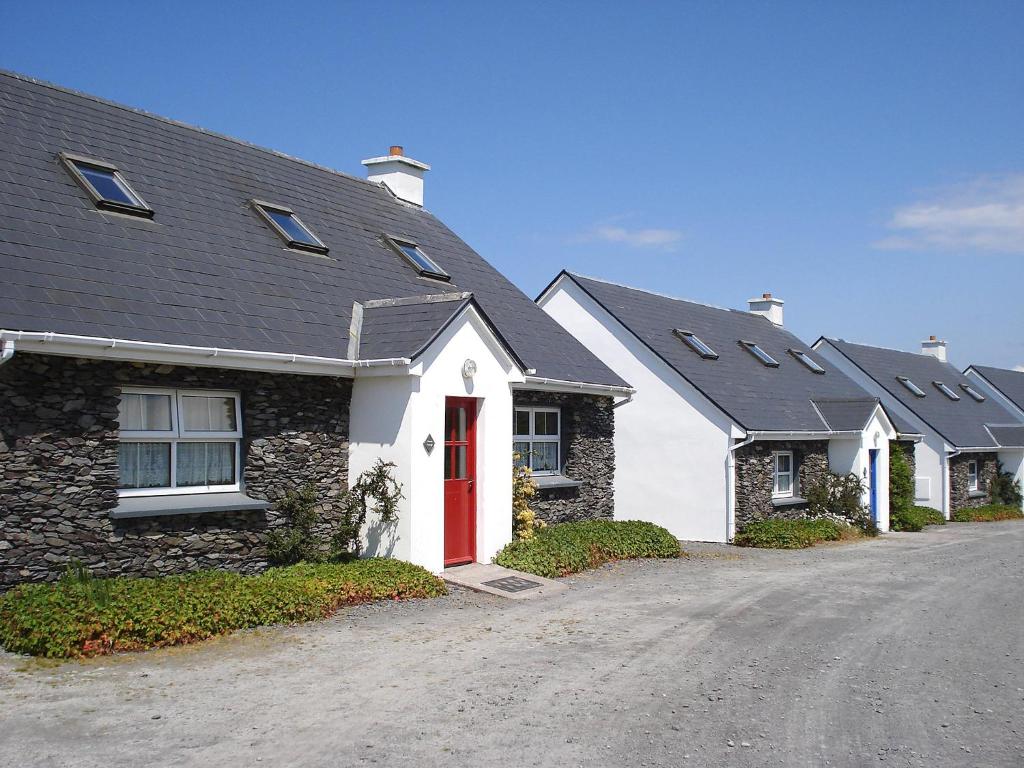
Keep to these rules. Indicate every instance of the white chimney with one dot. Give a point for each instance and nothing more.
(769, 307)
(402, 175)
(935, 348)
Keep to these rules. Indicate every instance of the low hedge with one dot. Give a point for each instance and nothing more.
(987, 514)
(791, 534)
(86, 617)
(914, 519)
(560, 550)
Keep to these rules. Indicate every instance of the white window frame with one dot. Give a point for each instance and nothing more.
(178, 434)
(972, 475)
(776, 493)
(532, 438)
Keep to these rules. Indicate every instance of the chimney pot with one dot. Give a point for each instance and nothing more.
(396, 150)
(766, 295)
(931, 338)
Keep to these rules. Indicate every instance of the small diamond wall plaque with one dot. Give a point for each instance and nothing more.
(428, 444)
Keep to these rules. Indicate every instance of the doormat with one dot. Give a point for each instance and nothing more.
(511, 584)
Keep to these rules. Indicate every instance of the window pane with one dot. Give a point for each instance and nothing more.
(544, 457)
(784, 462)
(144, 465)
(205, 464)
(545, 423)
(420, 259)
(140, 412)
(292, 228)
(784, 483)
(107, 184)
(521, 423)
(447, 462)
(460, 423)
(521, 453)
(460, 462)
(208, 414)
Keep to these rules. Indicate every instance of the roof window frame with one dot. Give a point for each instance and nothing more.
(807, 361)
(71, 161)
(262, 207)
(395, 242)
(946, 390)
(911, 387)
(694, 342)
(974, 394)
(759, 354)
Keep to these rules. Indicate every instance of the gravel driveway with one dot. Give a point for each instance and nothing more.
(904, 651)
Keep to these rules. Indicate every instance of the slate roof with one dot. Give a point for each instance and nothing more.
(1009, 436)
(961, 423)
(206, 270)
(1009, 383)
(849, 415)
(756, 397)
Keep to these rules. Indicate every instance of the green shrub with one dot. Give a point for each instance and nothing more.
(296, 541)
(77, 617)
(1003, 489)
(559, 550)
(790, 534)
(988, 514)
(839, 497)
(901, 483)
(914, 519)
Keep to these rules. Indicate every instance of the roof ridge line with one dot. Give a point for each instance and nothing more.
(428, 298)
(180, 124)
(659, 294)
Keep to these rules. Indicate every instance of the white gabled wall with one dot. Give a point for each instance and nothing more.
(392, 417)
(931, 479)
(671, 444)
(1012, 460)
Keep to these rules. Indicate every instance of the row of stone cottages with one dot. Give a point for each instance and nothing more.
(192, 326)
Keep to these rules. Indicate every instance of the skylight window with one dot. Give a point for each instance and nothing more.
(975, 394)
(695, 344)
(419, 260)
(946, 390)
(807, 360)
(760, 354)
(289, 227)
(911, 386)
(105, 185)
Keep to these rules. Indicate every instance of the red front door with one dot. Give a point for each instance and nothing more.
(459, 480)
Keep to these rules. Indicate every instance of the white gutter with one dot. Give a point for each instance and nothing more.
(559, 385)
(180, 354)
(805, 435)
(6, 350)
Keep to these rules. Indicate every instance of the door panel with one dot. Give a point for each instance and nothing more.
(459, 480)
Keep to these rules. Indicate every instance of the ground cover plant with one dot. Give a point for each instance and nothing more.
(794, 534)
(914, 519)
(560, 550)
(988, 514)
(85, 616)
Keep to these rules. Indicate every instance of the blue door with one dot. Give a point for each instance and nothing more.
(873, 461)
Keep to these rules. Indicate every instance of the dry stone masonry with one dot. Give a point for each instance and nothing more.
(755, 473)
(58, 467)
(959, 495)
(588, 455)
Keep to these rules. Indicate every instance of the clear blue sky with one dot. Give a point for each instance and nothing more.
(864, 161)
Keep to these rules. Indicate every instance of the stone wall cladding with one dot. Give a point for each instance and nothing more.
(588, 455)
(959, 496)
(58, 467)
(755, 471)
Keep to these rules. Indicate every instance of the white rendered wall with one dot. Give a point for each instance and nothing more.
(671, 444)
(851, 455)
(392, 417)
(929, 454)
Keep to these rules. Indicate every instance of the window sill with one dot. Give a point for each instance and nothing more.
(788, 501)
(555, 481)
(184, 504)
(976, 494)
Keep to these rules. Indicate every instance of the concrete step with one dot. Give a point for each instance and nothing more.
(503, 582)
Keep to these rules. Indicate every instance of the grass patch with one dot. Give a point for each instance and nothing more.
(914, 519)
(81, 616)
(560, 550)
(987, 514)
(794, 534)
